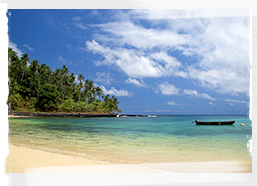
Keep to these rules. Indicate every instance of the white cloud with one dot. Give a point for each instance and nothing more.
(163, 110)
(115, 92)
(137, 65)
(225, 60)
(235, 101)
(193, 13)
(14, 46)
(103, 77)
(172, 66)
(168, 89)
(217, 41)
(140, 37)
(194, 93)
(28, 47)
(80, 26)
(76, 79)
(172, 103)
(133, 65)
(211, 103)
(69, 47)
(77, 18)
(190, 92)
(61, 59)
(206, 96)
(140, 83)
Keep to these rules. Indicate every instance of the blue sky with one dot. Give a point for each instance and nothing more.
(153, 61)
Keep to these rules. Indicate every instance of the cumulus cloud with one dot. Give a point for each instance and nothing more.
(103, 77)
(140, 83)
(172, 103)
(80, 26)
(172, 66)
(194, 93)
(235, 101)
(137, 65)
(141, 37)
(225, 64)
(14, 46)
(127, 60)
(156, 14)
(216, 41)
(168, 89)
(63, 60)
(115, 92)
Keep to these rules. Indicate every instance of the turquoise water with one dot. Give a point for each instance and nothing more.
(136, 139)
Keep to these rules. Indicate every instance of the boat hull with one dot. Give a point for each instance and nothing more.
(215, 123)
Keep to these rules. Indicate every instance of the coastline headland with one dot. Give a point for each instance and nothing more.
(13, 114)
(67, 114)
(57, 114)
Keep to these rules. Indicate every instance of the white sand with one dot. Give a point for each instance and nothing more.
(185, 167)
(24, 160)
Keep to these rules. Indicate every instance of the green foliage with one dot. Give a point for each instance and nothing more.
(35, 87)
(32, 103)
(48, 98)
(67, 106)
(110, 105)
(15, 101)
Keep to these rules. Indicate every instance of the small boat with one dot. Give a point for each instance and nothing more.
(213, 122)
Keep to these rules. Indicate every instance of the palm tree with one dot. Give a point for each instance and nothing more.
(12, 55)
(41, 71)
(71, 80)
(81, 79)
(24, 62)
(88, 90)
(64, 71)
(56, 76)
(99, 92)
(93, 92)
(15, 67)
(65, 84)
(34, 67)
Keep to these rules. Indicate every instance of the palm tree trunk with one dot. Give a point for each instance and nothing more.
(38, 86)
(22, 74)
(31, 81)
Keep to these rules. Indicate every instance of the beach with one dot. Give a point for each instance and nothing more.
(25, 160)
(164, 144)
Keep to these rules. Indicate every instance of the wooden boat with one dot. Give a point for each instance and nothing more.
(214, 122)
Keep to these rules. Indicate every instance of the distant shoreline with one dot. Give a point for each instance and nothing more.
(20, 114)
(15, 114)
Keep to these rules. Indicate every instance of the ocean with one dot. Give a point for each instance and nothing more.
(160, 139)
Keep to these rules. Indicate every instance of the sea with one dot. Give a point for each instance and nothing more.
(135, 140)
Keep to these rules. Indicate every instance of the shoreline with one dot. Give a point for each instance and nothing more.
(25, 160)
(19, 114)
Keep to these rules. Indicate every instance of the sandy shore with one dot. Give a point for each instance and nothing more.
(24, 160)
(13, 116)
(20, 159)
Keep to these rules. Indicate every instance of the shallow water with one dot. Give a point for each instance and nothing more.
(159, 139)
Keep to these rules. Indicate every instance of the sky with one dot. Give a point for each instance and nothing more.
(155, 61)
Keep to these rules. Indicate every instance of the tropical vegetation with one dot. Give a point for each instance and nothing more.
(34, 87)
